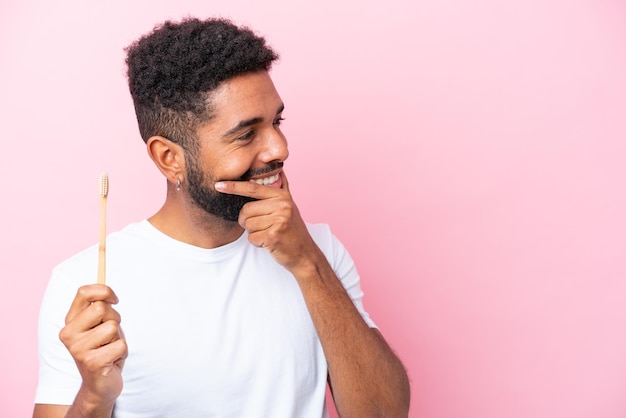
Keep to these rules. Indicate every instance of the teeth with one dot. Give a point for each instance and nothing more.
(267, 180)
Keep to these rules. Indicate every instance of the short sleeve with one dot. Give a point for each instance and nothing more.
(343, 265)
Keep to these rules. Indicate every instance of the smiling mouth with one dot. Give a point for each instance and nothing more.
(266, 180)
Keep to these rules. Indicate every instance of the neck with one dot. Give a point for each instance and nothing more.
(190, 224)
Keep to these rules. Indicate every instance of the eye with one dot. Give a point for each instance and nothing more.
(278, 120)
(246, 136)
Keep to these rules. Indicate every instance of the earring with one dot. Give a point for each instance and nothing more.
(178, 185)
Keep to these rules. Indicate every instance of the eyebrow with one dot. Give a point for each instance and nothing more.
(249, 122)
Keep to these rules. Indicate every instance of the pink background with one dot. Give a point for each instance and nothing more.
(470, 154)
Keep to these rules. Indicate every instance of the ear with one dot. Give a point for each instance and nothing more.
(168, 156)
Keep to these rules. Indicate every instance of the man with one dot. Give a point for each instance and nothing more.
(232, 306)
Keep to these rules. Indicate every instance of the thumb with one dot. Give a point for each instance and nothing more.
(285, 183)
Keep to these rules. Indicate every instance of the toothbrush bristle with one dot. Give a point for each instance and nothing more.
(104, 184)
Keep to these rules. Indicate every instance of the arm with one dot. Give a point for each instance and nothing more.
(93, 336)
(366, 377)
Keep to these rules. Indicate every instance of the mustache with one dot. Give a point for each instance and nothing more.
(274, 165)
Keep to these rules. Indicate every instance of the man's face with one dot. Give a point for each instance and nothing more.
(242, 141)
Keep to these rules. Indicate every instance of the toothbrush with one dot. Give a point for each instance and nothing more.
(104, 191)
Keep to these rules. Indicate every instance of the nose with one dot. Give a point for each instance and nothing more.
(274, 147)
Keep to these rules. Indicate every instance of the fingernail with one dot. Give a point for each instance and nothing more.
(220, 185)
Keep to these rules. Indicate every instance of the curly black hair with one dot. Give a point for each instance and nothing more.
(173, 69)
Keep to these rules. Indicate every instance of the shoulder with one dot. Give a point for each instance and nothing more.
(323, 237)
(331, 246)
(319, 232)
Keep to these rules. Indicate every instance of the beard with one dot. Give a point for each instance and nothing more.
(222, 205)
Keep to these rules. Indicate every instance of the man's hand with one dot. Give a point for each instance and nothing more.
(93, 336)
(274, 222)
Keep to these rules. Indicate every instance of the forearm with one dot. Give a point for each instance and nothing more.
(81, 408)
(367, 378)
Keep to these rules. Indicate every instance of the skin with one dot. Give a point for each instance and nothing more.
(366, 377)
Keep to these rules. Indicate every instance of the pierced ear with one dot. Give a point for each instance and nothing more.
(168, 156)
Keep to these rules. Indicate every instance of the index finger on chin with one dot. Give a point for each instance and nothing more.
(245, 188)
(285, 183)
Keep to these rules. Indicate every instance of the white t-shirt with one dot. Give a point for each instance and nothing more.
(220, 332)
